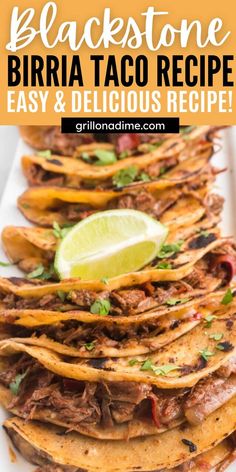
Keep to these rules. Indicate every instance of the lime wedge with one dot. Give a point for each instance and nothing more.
(108, 244)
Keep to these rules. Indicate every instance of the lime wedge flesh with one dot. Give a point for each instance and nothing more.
(108, 244)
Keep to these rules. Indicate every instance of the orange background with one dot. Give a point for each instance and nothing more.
(69, 10)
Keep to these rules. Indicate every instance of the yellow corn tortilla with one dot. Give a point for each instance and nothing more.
(31, 246)
(163, 451)
(184, 354)
(78, 168)
(183, 265)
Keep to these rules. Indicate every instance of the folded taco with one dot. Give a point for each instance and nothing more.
(44, 206)
(51, 138)
(202, 263)
(55, 170)
(88, 335)
(29, 246)
(185, 381)
(42, 446)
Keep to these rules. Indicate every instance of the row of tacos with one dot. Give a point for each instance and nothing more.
(136, 372)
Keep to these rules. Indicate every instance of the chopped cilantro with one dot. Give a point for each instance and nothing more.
(100, 307)
(225, 346)
(162, 171)
(15, 384)
(133, 362)
(205, 354)
(164, 265)
(168, 250)
(166, 369)
(228, 297)
(5, 264)
(144, 177)
(208, 320)
(59, 232)
(147, 365)
(47, 154)
(90, 346)
(41, 273)
(105, 280)
(125, 176)
(177, 301)
(216, 336)
(61, 295)
(163, 370)
(105, 157)
(86, 157)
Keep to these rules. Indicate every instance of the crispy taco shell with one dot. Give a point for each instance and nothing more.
(30, 246)
(185, 353)
(153, 453)
(182, 266)
(36, 202)
(146, 333)
(134, 429)
(60, 171)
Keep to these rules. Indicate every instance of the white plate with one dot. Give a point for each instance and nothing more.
(9, 215)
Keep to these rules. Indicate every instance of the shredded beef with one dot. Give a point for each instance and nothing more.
(228, 369)
(74, 402)
(207, 396)
(215, 203)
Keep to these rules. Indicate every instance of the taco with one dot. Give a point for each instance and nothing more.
(185, 381)
(43, 206)
(203, 263)
(29, 246)
(51, 138)
(38, 445)
(60, 171)
(170, 440)
(88, 335)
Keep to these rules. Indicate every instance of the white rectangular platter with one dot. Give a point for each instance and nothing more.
(9, 215)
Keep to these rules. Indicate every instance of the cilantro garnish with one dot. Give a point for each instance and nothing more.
(133, 362)
(163, 370)
(47, 154)
(177, 301)
(100, 307)
(90, 346)
(208, 320)
(104, 157)
(225, 346)
(228, 297)
(125, 176)
(41, 273)
(168, 250)
(59, 232)
(5, 264)
(164, 265)
(205, 354)
(216, 336)
(62, 295)
(144, 177)
(105, 280)
(15, 384)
